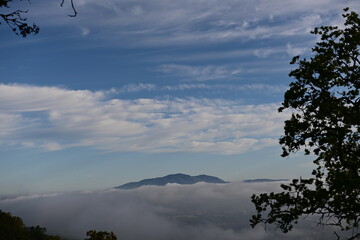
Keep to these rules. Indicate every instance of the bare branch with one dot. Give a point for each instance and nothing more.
(72, 6)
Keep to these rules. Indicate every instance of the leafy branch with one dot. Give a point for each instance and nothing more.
(325, 124)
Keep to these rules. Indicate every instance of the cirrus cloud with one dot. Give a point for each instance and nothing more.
(159, 22)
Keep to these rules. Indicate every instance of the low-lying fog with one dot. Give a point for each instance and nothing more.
(173, 212)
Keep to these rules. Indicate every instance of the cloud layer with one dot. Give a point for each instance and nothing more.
(177, 212)
(54, 118)
(162, 22)
(203, 73)
(243, 88)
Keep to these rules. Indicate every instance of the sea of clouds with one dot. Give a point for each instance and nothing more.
(173, 212)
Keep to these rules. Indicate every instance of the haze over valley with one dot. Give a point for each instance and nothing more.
(199, 211)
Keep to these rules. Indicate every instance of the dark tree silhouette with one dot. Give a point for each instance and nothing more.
(18, 23)
(325, 123)
(101, 235)
(13, 228)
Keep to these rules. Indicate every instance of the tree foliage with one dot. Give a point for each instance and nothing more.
(101, 235)
(18, 23)
(325, 104)
(13, 228)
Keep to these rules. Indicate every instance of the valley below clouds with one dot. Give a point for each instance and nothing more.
(177, 212)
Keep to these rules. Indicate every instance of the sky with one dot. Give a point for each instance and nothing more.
(133, 89)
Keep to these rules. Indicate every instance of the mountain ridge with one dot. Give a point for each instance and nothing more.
(178, 178)
(262, 180)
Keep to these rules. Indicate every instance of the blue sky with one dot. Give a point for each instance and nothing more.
(131, 89)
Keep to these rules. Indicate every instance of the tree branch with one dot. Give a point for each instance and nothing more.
(72, 6)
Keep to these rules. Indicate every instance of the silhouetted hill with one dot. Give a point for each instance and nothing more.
(173, 178)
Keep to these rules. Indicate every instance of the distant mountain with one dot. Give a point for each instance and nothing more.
(173, 178)
(264, 180)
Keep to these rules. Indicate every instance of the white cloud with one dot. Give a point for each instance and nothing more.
(200, 73)
(85, 32)
(177, 212)
(295, 51)
(54, 119)
(185, 86)
(50, 146)
(137, 87)
(265, 88)
(249, 88)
